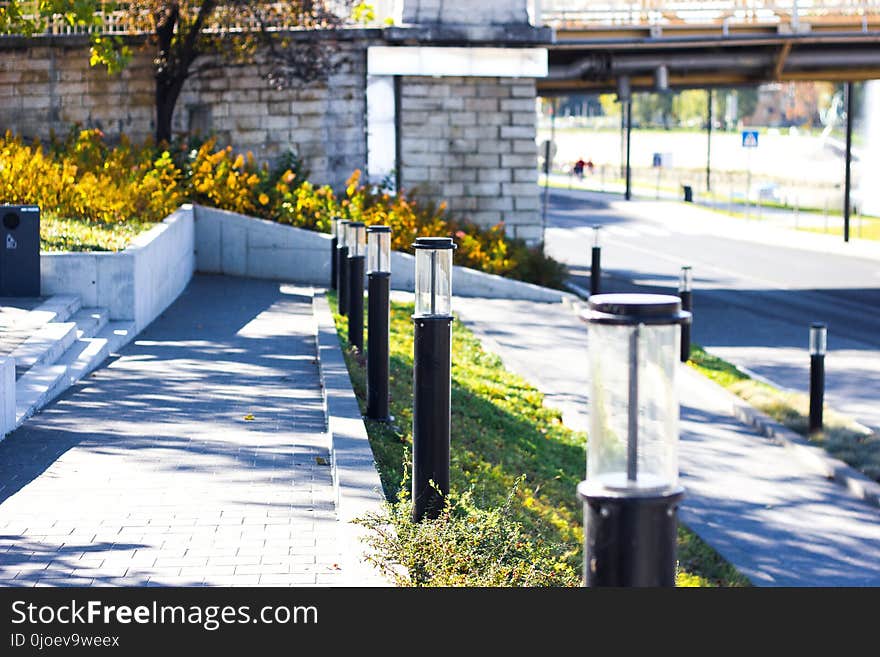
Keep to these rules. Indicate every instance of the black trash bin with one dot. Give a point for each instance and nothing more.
(688, 193)
(19, 251)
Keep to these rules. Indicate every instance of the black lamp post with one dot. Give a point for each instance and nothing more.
(357, 245)
(686, 294)
(334, 243)
(818, 346)
(595, 263)
(631, 493)
(342, 267)
(432, 369)
(378, 305)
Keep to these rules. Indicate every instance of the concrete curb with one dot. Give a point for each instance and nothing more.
(854, 481)
(810, 455)
(355, 478)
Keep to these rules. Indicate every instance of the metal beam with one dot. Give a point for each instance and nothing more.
(781, 59)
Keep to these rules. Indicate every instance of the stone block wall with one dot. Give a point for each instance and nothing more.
(467, 141)
(52, 87)
(471, 142)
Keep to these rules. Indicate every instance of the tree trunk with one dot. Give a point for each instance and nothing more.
(168, 89)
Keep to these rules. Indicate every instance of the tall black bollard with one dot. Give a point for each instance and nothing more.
(686, 294)
(818, 344)
(334, 243)
(378, 308)
(342, 268)
(356, 249)
(432, 370)
(596, 264)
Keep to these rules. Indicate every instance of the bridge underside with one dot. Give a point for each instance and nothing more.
(593, 60)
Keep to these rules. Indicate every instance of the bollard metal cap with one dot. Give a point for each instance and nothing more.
(632, 309)
(436, 243)
(378, 229)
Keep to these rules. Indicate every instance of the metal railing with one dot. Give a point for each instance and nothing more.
(574, 14)
(589, 13)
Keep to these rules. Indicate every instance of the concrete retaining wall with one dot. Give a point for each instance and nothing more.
(7, 396)
(238, 245)
(135, 284)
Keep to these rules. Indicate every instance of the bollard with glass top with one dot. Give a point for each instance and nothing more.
(595, 263)
(432, 368)
(334, 244)
(378, 308)
(357, 249)
(818, 346)
(342, 268)
(631, 493)
(686, 294)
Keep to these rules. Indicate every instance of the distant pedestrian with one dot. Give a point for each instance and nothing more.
(579, 168)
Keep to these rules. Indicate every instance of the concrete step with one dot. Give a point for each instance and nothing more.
(43, 383)
(33, 388)
(57, 308)
(44, 346)
(90, 320)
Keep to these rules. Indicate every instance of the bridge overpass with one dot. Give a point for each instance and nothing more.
(708, 43)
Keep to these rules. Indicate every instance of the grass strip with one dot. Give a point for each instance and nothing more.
(842, 437)
(60, 234)
(514, 518)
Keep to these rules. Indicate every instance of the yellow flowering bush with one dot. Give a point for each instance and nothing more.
(81, 179)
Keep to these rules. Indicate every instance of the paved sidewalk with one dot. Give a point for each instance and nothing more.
(776, 520)
(199, 457)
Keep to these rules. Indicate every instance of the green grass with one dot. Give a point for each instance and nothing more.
(842, 437)
(59, 234)
(502, 432)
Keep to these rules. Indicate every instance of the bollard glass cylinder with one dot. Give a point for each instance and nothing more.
(634, 352)
(379, 249)
(686, 280)
(357, 239)
(334, 227)
(596, 242)
(434, 276)
(342, 233)
(818, 339)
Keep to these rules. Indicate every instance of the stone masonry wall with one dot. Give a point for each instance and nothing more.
(471, 142)
(44, 89)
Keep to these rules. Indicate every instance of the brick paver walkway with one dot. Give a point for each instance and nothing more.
(152, 471)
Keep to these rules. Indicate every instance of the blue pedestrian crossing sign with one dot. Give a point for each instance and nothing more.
(750, 138)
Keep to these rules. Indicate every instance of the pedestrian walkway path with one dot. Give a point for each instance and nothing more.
(199, 456)
(777, 520)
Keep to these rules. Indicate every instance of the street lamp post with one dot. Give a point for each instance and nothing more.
(432, 368)
(818, 346)
(378, 295)
(631, 493)
(342, 267)
(595, 263)
(357, 245)
(686, 294)
(334, 244)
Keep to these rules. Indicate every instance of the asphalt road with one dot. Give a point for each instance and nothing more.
(753, 302)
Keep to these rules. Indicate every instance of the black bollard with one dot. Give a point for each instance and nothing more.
(818, 344)
(356, 249)
(334, 243)
(342, 268)
(596, 264)
(632, 492)
(378, 308)
(432, 370)
(686, 294)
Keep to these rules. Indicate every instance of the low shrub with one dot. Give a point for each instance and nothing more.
(80, 178)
